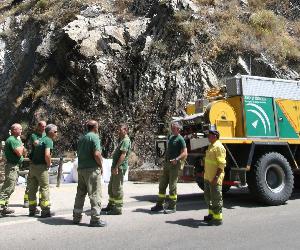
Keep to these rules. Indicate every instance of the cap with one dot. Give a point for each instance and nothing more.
(214, 132)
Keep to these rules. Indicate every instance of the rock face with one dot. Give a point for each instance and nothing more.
(133, 65)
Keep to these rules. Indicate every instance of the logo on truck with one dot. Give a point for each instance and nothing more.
(262, 115)
(259, 114)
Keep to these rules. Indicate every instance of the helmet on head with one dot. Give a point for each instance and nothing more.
(214, 132)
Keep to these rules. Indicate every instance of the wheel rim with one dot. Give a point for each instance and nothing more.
(275, 178)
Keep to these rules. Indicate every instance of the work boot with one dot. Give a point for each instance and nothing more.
(208, 218)
(26, 204)
(114, 211)
(98, 223)
(77, 218)
(157, 208)
(170, 209)
(107, 208)
(34, 212)
(6, 211)
(214, 222)
(46, 214)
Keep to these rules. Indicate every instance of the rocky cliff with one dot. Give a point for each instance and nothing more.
(134, 61)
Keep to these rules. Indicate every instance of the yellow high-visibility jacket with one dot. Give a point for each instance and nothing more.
(215, 157)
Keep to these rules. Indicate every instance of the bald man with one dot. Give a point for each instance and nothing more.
(14, 151)
(89, 175)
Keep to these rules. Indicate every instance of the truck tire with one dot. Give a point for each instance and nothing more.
(271, 180)
(200, 182)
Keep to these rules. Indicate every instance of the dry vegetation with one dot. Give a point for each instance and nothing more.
(61, 11)
(262, 27)
(257, 28)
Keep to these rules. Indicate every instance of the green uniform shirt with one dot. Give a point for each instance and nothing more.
(175, 145)
(35, 136)
(87, 146)
(38, 154)
(124, 146)
(11, 144)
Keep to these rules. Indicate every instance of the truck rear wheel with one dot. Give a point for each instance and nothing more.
(200, 182)
(271, 179)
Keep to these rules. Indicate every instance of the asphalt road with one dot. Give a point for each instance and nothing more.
(247, 224)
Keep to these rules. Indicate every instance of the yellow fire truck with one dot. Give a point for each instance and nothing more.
(259, 123)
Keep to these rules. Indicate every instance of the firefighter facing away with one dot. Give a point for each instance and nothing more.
(175, 156)
(89, 175)
(214, 164)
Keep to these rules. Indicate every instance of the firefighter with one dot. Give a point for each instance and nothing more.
(118, 170)
(38, 173)
(34, 141)
(174, 161)
(89, 175)
(14, 151)
(215, 162)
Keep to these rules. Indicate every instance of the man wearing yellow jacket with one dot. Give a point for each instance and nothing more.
(215, 162)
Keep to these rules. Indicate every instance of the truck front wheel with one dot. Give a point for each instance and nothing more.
(271, 179)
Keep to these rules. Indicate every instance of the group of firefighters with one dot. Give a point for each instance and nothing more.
(90, 172)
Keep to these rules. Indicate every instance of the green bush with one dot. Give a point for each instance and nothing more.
(159, 47)
(265, 21)
(42, 4)
(207, 2)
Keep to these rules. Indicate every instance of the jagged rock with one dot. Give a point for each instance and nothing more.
(91, 11)
(137, 27)
(244, 66)
(115, 34)
(5, 25)
(115, 47)
(142, 7)
(2, 54)
(46, 47)
(244, 3)
(147, 45)
(183, 4)
(263, 65)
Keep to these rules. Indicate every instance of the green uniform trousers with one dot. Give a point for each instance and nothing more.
(214, 200)
(115, 190)
(26, 194)
(11, 176)
(89, 182)
(39, 178)
(169, 177)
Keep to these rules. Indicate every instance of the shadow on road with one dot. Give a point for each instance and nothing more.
(236, 197)
(188, 223)
(144, 210)
(61, 221)
(57, 221)
(16, 205)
